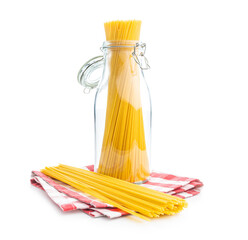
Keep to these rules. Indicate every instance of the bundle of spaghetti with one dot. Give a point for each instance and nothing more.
(139, 201)
(123, 153)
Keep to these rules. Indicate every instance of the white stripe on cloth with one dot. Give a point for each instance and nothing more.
(187, 187)
(166, 181)
(108, 213)
(96, 214)
(158, 188)
(184, 194)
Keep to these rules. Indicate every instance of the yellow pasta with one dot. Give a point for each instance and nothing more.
(142, 202)
(123, 153)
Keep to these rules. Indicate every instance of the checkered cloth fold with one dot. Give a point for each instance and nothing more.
(68, 198)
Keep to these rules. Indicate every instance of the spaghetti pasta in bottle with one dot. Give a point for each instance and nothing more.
(123, 106)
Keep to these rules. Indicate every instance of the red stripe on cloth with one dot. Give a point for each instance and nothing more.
(187, 194)
(97, 204)
(91, 168)
(193, 192)
(92, 213)
(179, 196)
(119, 211)
(179, 190)
(34, 183)
(187, 187)
(68, 207)
(197, 183)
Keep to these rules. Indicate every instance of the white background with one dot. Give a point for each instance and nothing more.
(198, 51)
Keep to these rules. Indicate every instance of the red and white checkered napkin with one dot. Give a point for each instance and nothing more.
(68, 198)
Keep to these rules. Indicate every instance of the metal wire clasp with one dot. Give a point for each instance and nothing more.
(140, 59)
(85, 72)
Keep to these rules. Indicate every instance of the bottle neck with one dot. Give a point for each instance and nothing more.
(119, 44)
(125, 49)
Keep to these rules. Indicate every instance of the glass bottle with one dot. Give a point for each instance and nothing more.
(122, 110)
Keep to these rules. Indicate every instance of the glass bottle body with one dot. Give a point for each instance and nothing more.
(122, 113)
